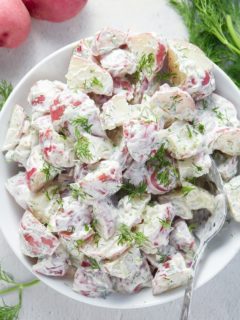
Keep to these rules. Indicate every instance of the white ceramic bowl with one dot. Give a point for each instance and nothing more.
(219, 253)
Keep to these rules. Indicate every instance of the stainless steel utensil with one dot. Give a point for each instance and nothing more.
(205, 233)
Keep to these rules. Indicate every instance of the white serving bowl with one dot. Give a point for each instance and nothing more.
(219, 253)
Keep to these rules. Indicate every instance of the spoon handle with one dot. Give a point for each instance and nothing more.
(185, 313)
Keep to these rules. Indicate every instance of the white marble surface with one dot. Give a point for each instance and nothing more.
(219, 299)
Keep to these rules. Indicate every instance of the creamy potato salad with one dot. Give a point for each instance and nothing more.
(109, 163)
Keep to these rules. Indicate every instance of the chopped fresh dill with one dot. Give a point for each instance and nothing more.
(128, 236)
(134, 191)
(201, 128)
(94, 82)
(163, 176)
(186, 189)
(93, 263)
(163, 258)
(190, 135)
(165, 76)
(5, 90)
(47, 195)
(199, 168)
(83, 123)
(145, 63)
(80, 242)
(218, 113)
(86, 227)
(47, 168)
(165, 223)
(192, 227)
(76, 191)
(81, 148)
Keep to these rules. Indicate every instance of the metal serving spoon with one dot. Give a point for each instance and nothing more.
(204, 234)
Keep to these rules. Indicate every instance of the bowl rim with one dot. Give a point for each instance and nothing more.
(176, 294)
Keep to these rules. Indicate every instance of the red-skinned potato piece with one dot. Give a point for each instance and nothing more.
(55, 11)
(15, 23)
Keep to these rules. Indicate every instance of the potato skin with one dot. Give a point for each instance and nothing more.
(15, 23)
(54, 10)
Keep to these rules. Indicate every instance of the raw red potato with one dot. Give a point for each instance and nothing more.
(15, 129)
(87, 76)
(92, 283)
(181, 238)
(150, 47)
(56, 11)
(72, 216)
(104, 181)
(15, 23)
(35, 239)
(192, 70)
(108, 39)
(119, 62)
(175, 102)
(42, 95)
(140, 280)
(141, 138)
(55, 265)
(105, 217)
(228, 141)
(57, 150)
(171, 274)
(157, 226)
(38, 171)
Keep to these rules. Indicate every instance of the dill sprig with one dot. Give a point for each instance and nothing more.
(214, 26)
(134, 191)
(81, 148)
(47, 169)
(145, 63)
(165, 223)
(93, 263)
(165, 76)
(5, 90)
(186, 189)
(8, 312)
(94, 82)
(76, 191)
(128, 236)
(83, 123)
(163, 166)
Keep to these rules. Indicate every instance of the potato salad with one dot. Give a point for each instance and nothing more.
(112, 163)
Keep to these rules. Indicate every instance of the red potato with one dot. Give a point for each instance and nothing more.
(15, 23)
(56, 10)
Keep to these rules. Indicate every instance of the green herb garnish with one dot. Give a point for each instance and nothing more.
(192, 227)
(86, 227)
(83, 123)
(8, 312)
(80, 242)
(47, 168)
(128, 236)
(186, 189)
(94, 82)
(166, 224)
(5, 90)
(134, 191)
(214, 26)
(146, 64)
(163, 258)
(199, 168)
(93, 263)
(218, 113)
(81, 148)
(165, 76)
(189, 131)
(201, 128)
(76, 191)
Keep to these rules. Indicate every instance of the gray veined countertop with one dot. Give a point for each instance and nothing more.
(217, 300)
